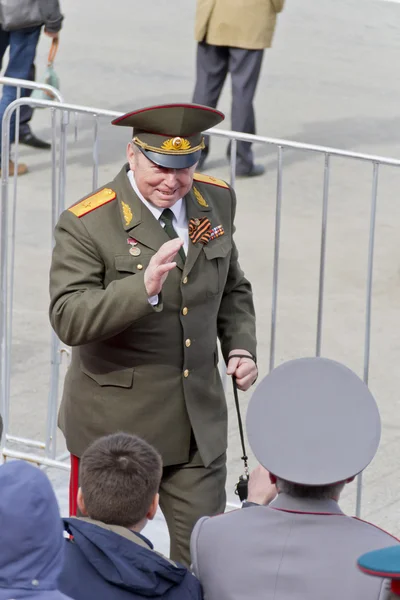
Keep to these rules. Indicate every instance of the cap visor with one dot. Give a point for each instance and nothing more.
(169, 161)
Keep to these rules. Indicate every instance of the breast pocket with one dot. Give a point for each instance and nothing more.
(217, 255)
(127, 265)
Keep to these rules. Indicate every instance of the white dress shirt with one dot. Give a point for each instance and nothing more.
(179, 221)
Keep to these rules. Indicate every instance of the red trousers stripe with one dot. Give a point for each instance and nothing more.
(73, 485)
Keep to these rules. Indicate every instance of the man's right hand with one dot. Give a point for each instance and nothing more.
(52, 34)
(160, 265)
(261, 490)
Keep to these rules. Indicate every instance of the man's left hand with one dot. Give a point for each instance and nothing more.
(244, 369)
(52, 34)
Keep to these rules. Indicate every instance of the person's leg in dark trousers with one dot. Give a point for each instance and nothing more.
(23, 45)
(211, 70)
(188, 492)
(26, 112)
(4, 41)
(245, 68)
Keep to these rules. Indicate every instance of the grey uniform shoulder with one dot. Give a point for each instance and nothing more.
(373, 529)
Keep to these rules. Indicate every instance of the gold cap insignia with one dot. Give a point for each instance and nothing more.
(176, 144)
(200, 198)
(126, 210)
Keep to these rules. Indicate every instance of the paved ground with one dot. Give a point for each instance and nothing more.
(329, 79)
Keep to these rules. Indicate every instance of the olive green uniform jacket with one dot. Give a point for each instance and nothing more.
(142, 369)
(248, 24)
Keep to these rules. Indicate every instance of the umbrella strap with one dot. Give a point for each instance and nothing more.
(239, 416)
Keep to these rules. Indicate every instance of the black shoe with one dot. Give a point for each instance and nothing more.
(254, 171)
(202, 160)
(31, 140)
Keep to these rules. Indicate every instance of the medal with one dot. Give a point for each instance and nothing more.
(134, 250)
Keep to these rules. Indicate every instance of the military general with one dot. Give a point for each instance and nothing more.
(144, 279)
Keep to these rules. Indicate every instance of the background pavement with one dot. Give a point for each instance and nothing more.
(330, 78)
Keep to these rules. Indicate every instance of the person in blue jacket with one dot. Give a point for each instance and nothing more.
(106, 554)
(32, 542)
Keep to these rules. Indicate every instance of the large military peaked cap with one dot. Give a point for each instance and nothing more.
(171, 135)
(312, 421)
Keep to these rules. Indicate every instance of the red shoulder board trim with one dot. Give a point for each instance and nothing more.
(303, 512)
(376, 527)
(208, 179)
(85, 206)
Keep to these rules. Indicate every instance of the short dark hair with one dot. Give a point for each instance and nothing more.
(119, 476)
(311, 492)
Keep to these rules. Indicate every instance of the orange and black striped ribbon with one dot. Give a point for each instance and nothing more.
(199, 230)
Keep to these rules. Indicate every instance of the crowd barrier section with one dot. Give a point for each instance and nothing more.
(58, 203)
(55, 95)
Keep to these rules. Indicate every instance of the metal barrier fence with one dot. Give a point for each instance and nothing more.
(58, 203)
(20, 84)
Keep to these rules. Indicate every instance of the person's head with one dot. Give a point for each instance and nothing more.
(119, 477)
(314, 425)
(166, 147)
(162, 186)
(32, 544)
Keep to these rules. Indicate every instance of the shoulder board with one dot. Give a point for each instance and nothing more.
(208, 179)
(85, 206)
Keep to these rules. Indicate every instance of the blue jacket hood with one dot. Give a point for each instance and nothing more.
(124, 563)
(32, 544)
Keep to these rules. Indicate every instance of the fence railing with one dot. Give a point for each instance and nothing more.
(59, 162)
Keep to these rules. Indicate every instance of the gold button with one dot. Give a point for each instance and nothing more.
(186, 373)
(185, 280)
(187, 343)
(139, 267)
(185, 311)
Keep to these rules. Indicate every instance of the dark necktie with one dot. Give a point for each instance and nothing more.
(166, 217)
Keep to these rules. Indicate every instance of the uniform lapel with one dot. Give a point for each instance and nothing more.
(136, 218)
(196, 207)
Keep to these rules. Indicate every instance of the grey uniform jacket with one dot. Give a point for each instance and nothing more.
(302, 549)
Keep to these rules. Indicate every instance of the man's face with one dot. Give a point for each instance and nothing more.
(159, 185)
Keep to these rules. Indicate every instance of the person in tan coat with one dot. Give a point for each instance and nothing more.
(232, 36)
